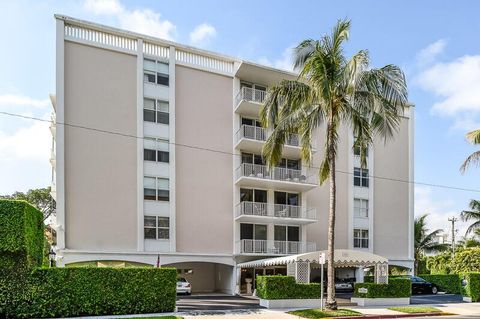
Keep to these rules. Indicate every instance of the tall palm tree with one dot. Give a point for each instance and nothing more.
(332, 90)
(474, 158)
(472, 215)
(425, 241)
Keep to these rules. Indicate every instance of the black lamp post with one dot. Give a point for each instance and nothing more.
(51, 257)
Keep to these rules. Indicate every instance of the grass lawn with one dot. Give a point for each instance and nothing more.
(415, 309)
(317, 313)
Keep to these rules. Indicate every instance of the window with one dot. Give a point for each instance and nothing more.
(360, 238)
(155, 72)
(253, 231)
(253, 195)
(360, 177)
(155, 111)
(156, 227)
(290, 164)
(356, 150)
(155, 150)
(156, 188)
(360, 207)
(252, 159)
(286, 233)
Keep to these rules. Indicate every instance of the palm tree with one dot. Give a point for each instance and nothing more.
(425, 241)
(472, 215)
(332, 90)
(474, 158)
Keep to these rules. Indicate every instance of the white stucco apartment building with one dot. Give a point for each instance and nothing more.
(157, 155)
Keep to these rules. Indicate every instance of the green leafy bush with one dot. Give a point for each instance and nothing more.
(472, 286)
(396, 288)
(21, 231)
(285, 287)
(449, 283)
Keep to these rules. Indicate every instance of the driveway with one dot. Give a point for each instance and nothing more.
(215, 302)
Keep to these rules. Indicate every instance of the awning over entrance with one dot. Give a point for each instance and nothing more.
(342, 258)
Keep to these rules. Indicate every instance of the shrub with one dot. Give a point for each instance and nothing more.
(466, 260)
(285, 287)
(472, 286)
(21, 231)
(66, 292)
(396, 288)
(448, 283)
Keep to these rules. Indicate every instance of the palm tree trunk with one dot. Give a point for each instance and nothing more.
(331, 302)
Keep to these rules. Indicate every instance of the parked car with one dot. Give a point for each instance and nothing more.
(421, 286)
(183, 286)
(343, 285)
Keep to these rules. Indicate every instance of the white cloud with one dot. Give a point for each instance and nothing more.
(144, 21)
(27, 143)
(21, 100)
(430, 53)
(284, 62)
(202, 34)
(438, 209)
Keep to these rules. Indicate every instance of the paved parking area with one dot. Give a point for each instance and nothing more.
(215, 302)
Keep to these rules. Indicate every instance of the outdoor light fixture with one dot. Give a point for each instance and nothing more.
(51, 256)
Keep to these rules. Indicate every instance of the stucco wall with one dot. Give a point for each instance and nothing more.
(204, 179)
(391, 197)
(100, 169)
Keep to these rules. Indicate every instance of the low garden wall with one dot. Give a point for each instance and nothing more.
(396, 292)
(29, 291)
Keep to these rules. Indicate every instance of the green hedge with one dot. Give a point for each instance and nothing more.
(396, 288)
(472, 285)
(21, 231)
(285, 287)
(449, 283)
(66, 292)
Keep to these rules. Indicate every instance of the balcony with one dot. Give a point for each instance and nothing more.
(278, 213)
(273, 247)
(261, 176)
(252, 138)
(249, 101)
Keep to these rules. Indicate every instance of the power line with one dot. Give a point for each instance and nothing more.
(225, 152)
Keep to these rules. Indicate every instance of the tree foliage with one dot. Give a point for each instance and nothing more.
(472, 215)
(473, 159)
(425, 240)
(41, 198)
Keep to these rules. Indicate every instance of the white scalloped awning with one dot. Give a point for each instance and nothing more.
(342, 258)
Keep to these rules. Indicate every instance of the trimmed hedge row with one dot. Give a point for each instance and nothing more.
(449, 283)
(472, 285)
(21, 230)
(396, 288)
(285, 287)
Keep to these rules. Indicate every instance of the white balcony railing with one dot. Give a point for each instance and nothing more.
(251, 95)
(274, 210)
(261, 134)
(273, 247)
(276, 173)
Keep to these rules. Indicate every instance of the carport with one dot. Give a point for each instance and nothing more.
(301, 265)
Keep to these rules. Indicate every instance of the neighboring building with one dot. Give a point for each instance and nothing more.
(160, 157)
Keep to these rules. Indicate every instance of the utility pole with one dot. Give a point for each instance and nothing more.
(453, 220)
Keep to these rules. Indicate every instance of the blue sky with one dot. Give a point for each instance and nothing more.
(435, 42)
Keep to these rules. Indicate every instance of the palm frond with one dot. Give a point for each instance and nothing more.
(473, 136)
(472, 159)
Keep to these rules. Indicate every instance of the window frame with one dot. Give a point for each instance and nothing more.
(362, 176)
(156, 110)
(156, 73)
(157, 227)
(361, 208)
(157, 151)
(157, 189)
(359, 238)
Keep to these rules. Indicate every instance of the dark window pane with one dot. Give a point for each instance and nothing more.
(356, 181)
(260, 196)
(149, 194)
(150, 221)
(293, 199)
(163, 156)
(258, 159)
(356, 243)
(162, 117)
(163, 233)
(163, 222)
(261, 232)
(280, 233)
(293, 164)
(162, 79)
(149, 155)
(280, 198)
(247, 158)
(163, 195)
(246, 195)
(246, 231)
(247, 121)
(282, 163)
(149, 233)
(149, 77)
(148, 115)
(293, 233)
